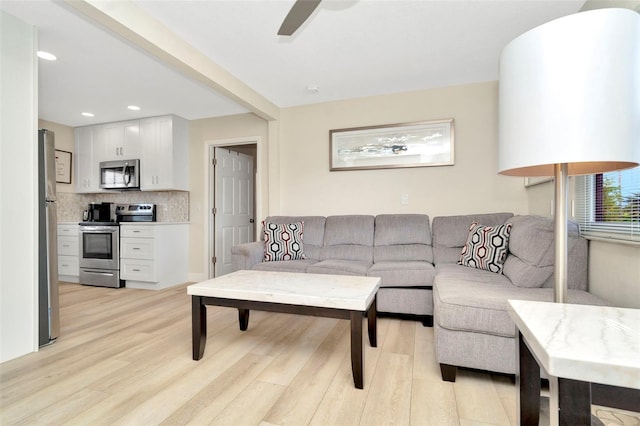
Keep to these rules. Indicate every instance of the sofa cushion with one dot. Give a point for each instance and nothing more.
(339, 267)
(531, 253)
(283, 241)
(476, 301)
(403, 274)
(486, 247)
(402, 237)
(348, 237)
(450, 233)
(313, 232)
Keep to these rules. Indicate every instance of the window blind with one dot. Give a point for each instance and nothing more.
(608, 204)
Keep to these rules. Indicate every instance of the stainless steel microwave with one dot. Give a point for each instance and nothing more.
(120, 174)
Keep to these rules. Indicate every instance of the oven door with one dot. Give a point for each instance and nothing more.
(99, 247)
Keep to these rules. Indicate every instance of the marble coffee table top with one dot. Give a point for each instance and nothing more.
(597, 344)
(325, 291)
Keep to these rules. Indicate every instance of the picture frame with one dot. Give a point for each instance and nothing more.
(418, 144)
(63, 166)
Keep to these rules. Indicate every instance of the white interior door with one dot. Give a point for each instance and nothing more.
(233, 213)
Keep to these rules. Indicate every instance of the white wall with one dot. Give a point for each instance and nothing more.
(472, 185)
(614, 273)
(18, 189)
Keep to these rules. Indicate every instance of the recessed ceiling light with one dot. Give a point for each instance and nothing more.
(134, 108)
(46, 55)
(87, 114)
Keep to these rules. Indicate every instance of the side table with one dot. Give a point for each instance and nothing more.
(577, 345)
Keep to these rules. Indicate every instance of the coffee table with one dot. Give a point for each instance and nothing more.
(331, 296)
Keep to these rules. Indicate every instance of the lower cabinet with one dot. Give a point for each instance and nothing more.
(154, 255)
(68, 252)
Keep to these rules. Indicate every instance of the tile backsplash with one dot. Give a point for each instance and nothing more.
(171, 206)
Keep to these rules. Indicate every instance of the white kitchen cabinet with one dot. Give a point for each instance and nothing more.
(154, 255)
(85, 162)
(165, 154)
(120, 141)
(68, 252)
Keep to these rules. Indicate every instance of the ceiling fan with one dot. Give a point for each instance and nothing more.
(299, 13)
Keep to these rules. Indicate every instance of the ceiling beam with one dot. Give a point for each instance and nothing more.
(130, 22)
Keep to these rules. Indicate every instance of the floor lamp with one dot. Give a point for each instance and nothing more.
(569, 104)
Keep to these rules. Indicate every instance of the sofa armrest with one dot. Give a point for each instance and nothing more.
(244, 256)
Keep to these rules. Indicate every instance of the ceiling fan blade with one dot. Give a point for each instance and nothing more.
(299, 13)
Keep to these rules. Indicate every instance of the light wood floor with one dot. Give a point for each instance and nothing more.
(124, 357)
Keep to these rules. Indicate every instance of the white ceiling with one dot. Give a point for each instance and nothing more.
(347, 49)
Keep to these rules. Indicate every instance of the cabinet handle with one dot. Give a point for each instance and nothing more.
(135, 232)
(136, 248)
(135, 270)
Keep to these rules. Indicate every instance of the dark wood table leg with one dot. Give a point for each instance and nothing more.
(574, 400)
(372, 318)
(198, 326)
(243, 318)
(527, 385)
(357, 354)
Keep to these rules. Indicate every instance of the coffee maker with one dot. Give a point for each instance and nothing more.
(99, 212)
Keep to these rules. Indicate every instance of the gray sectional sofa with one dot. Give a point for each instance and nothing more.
(421, 276)
(396, 248)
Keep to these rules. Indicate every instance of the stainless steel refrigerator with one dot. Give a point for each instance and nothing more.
(49, 308)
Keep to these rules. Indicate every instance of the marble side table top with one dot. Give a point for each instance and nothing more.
(325, 291)
(597, 344)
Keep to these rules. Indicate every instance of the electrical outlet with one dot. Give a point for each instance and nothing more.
(404, 199)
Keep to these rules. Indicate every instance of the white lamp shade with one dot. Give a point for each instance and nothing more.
(570, 93)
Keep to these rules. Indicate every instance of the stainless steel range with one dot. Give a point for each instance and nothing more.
(100, 241)
(100, 254)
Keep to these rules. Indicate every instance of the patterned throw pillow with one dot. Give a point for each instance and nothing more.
(486, 247)
(283, 241)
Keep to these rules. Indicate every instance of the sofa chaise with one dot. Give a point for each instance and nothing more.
(471, 325)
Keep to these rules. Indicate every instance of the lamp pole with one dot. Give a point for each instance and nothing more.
(561, 217)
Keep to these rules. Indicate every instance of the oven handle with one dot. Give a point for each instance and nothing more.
(100, 229)
(106, 274)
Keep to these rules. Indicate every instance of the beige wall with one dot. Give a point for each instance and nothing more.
(472, 185)
(65, 141)
(202, 134)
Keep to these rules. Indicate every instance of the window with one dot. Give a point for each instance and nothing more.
(608, 204)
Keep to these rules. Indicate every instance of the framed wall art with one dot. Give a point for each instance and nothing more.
(63, 166)
(423, 144)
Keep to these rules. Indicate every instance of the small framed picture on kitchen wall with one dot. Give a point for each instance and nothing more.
(63, 166)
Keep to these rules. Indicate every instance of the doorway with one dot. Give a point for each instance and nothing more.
(232, 200)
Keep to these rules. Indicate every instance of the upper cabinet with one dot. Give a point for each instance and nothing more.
(165, 148)
(87, 172)
(161, 144)
(120, 141)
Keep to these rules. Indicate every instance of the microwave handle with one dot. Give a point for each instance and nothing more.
(126, 174)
